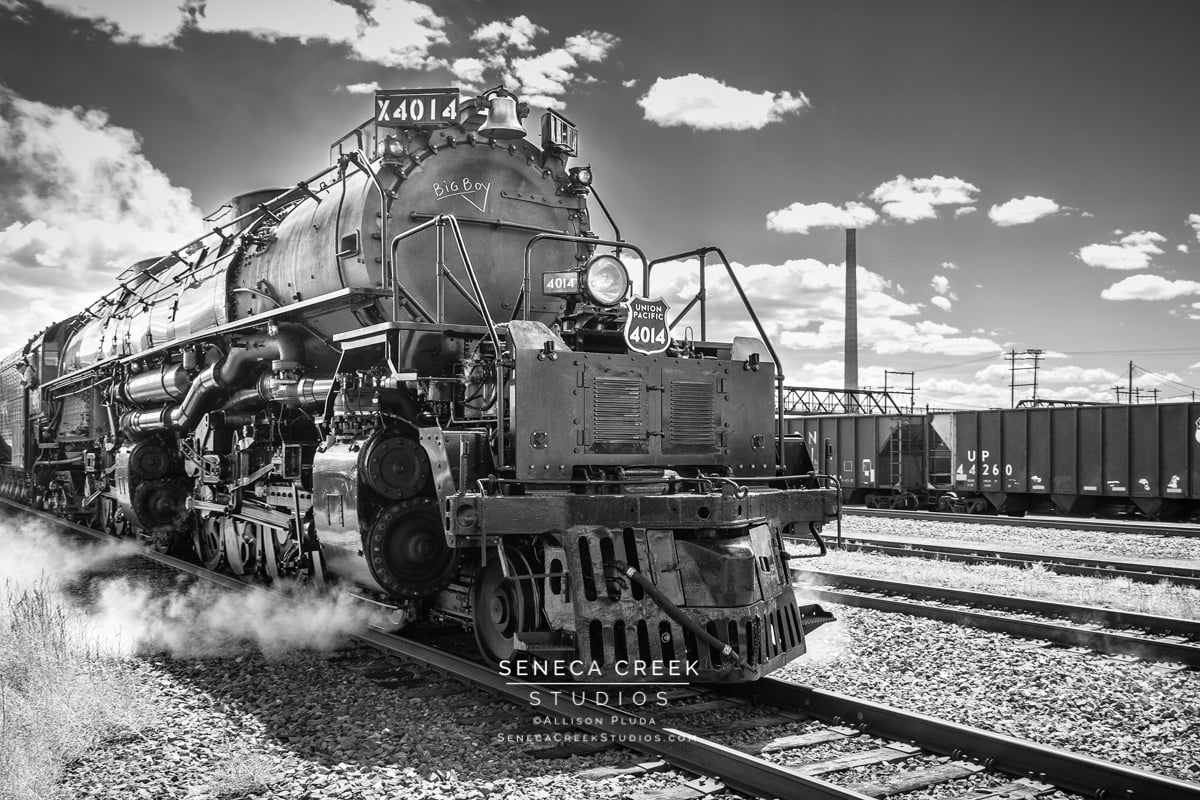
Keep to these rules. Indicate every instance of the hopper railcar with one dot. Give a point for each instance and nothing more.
(422, 371)
(1073, 460)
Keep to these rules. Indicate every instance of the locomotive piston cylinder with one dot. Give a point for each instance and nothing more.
(155, 386)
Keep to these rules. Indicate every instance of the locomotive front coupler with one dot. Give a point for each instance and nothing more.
(676, 613)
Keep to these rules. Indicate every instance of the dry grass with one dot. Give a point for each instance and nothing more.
(1161, 599)
(243, 775)
(60, 695)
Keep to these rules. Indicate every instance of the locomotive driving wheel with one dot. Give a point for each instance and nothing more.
(407, 551)
(240, 540)
(503, 606)
(206, 541)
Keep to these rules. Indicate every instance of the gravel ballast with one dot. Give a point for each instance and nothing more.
(305, 727)
(1017, 537)
(1131, 713)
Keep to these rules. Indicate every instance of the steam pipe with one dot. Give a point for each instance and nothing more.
(232, 372)
(163, 384)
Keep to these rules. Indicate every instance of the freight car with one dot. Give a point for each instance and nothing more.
(1103, 460)
(422, 371)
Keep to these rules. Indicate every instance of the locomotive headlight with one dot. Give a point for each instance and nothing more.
(605, 280)
(393, 148)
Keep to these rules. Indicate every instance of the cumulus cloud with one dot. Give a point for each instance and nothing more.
(962, 212)
(1193, 222)
(802, 303)
(802, 217)
(944, 299)
(363, 88)
(1149, 287)
(707, 104)
(912, 199)
(1132, 251)
(59, 246)
(517, 33)
(394, 33)
(957, 393)
(1022, 210)
(990, 385)
(400, 34)
(1066, 374)
(949, 265)
(542, 79)
(1183, 248)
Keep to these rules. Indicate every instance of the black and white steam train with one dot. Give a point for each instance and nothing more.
(422, 372)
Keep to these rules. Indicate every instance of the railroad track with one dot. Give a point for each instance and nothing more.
(1058, 563)
(1163, 639)
(938, 750)
(1074, 523)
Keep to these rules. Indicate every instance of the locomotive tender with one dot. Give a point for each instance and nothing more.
(421, 371)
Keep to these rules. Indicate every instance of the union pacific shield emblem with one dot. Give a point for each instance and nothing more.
(646, 328)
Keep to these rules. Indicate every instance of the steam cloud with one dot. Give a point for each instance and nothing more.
(126, 617)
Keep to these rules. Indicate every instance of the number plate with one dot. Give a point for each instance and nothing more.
(416, 108)
(560, 283)
(646, 328)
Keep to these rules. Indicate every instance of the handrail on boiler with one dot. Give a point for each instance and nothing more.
(479, 302)
(523, 302)
(702, 297)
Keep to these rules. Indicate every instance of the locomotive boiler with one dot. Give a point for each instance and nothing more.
(423, 371)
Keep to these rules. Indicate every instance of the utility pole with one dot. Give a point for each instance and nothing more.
(1033, 355)
(912, 389)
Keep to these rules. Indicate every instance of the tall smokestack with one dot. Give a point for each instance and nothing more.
(851, 310)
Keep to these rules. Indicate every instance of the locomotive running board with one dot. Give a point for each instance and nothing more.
(317, 306)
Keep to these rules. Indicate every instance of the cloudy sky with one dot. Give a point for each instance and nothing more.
(1022, 174)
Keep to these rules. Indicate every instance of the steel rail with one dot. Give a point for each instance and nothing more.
(1073, 772)
(740, 771)
(1074, 523)
(1101, 641)
(1050, 566)
(1067, 563)
(1108, 617)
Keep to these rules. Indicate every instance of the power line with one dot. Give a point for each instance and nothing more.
(1168, 380)
(968, 361)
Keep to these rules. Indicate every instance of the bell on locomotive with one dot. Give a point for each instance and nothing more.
(426, 372)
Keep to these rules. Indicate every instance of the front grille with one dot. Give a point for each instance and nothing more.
(617, 410)
(692, 414)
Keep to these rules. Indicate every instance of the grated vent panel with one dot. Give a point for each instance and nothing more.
(617, 410)
(692, 414)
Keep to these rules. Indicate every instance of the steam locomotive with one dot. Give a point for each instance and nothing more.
(422, 372)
